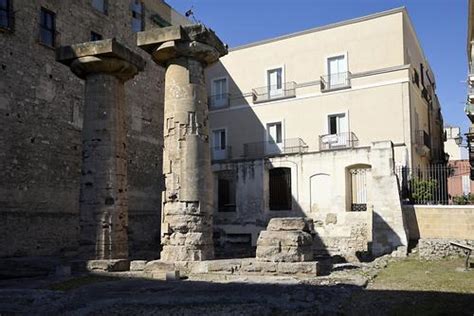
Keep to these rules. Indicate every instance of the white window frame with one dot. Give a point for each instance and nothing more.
(327, 57)
(326, 120)
(267, 136)
(283, 76)
(213, 89)
(215, 129)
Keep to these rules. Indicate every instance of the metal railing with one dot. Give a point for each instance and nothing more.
(436, 184)
(218, 153)
(274, 92)
(219, 101)
(338, 141)
(269, 148)
(336, 81)
(423, 139)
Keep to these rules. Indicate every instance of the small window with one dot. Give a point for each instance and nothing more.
(6, 14)
(100, 5)
(219, 139)
(138, 20)
(219, 98)
(274, 133)
(337, 124)
(275, 82)
(48, 28)
(280, 189)
(96, 37)
(226, 191)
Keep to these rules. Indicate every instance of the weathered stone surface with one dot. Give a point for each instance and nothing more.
(291, 223)
(158, 265)
(284, 238)
(187, 200)
(285, 241)
(105, 65)
(306, 268)
(137, 265)
(437, 248)
(108, 265)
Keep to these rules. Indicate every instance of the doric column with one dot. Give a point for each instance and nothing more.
(105, 66)
(185, 51)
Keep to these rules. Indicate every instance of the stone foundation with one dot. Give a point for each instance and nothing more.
(431, 249)
(286, 240)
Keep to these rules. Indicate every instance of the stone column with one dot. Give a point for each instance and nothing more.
(105, 66)
(185, 51)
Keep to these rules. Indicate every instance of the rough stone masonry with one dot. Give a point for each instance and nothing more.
(185, 51)
(105, 65)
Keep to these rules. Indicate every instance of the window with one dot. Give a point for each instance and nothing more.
(337, 72)
(100, 5)
(274, 133)
(337, 124)
(219, 93)
(95, 37)
(358, 183)
(280, 189)
(6, 14)
(275, 82)
(47, 28)
(226, 191)
(219, 145)
(138, 21)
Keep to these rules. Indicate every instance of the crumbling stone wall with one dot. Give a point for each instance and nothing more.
(40, 122)
(437, 248)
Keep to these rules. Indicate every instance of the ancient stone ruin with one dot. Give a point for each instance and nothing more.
(187, 199)
(288, 239)
(105, 66)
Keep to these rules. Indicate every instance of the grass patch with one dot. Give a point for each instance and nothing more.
(413, 274)
(417, 287)
(78, 282)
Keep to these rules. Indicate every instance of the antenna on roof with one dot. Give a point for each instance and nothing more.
(190, 14)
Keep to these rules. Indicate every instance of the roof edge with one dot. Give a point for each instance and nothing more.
(321, 28)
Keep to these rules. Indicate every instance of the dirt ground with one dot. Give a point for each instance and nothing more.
(396, 287)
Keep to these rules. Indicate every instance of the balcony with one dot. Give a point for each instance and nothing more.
(271, 93)
(336, 81)
(220, 154)
(338, 141)
(270, 148)
(219, 101)
(469, 110)
(470, 94)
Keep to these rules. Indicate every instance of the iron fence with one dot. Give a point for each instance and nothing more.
(437, 184)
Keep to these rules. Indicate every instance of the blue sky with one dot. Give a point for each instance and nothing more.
(441, 26)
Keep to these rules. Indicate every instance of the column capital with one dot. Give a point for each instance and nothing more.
(106, 56)
(193, 41)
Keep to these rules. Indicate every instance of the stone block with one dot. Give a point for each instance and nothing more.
(284, 254)
(137, 265)
(158, 265)
(306, 268)
(172, 275)
(284, 238)
(115, 265)
(291, 223)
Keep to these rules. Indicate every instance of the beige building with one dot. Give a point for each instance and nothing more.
(469, 109)
(313, 124)
(452, 143)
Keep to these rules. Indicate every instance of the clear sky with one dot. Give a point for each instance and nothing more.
(441, 26)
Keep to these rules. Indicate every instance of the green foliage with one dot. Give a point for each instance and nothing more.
(422, 190)
(463, 199)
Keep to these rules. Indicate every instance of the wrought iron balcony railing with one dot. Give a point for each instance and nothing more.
(269, 148)
(219, 101)
(336, 81)
(338, 141)
(218, 153)
(275, 92)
